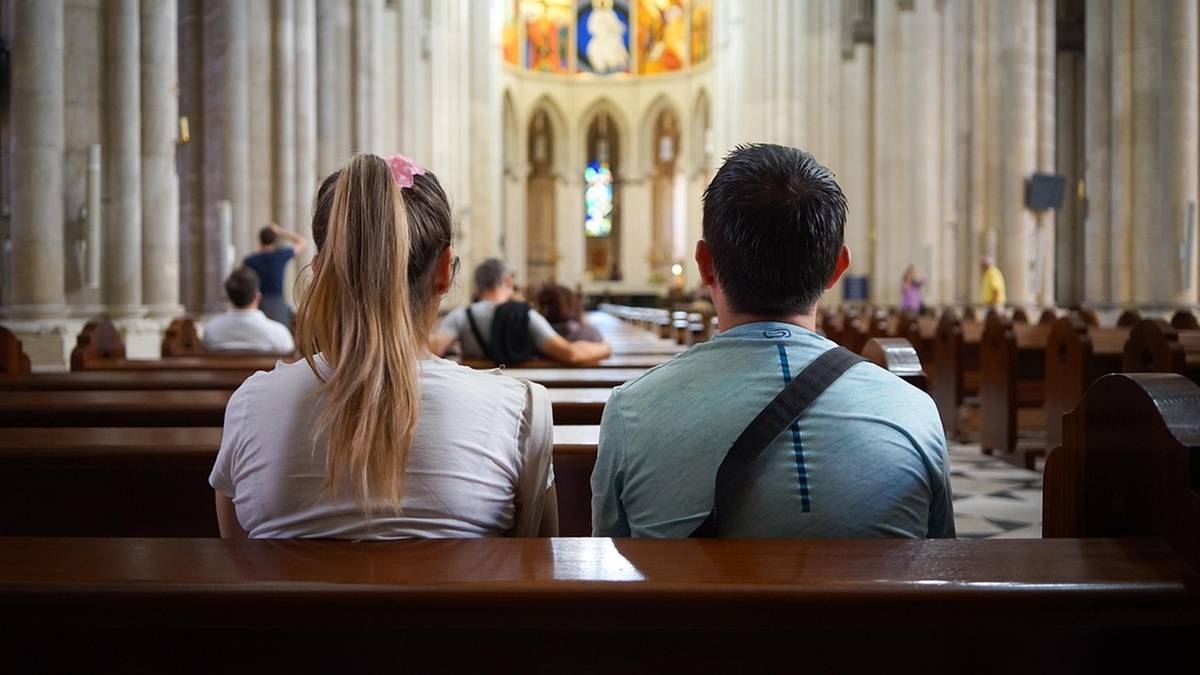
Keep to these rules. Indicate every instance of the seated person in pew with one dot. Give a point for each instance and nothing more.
(562, 309)
(507, 331)
(245, 327)
(372, 437)
(867, 458)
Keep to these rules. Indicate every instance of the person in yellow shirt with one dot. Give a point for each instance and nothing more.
(991, 287)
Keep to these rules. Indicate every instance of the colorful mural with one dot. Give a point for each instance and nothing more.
(547, 35)
(607, 37)
(701, 30)
(602, 35)
(661, 36)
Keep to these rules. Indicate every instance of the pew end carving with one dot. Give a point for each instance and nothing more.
(899, 357)
(13, 359)
(99, 343)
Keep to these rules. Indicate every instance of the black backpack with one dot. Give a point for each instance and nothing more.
(510, 341)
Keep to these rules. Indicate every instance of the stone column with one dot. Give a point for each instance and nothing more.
(307, 179)
(855, 174)
(1043, 283)
(1150, 229)
(889, 209)
(122, 161)
(1097, 275)
(1179, 151)
(160, 184)
(37, 151)
(922, 146)
(334, 85)
(366, 17)
(1012, 137)
(283, 97)
(1120, 144)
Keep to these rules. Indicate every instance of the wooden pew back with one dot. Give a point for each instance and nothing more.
(1076, 355)
(98, 343)
(1129, 465)
(13, 359)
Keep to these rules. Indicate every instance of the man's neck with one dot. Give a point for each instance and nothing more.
(495, 297)
(730, 319)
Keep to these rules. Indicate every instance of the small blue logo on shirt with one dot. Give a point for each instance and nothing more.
(777, 334)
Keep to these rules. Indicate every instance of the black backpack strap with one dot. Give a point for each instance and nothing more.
(487, 351)
(787, 407)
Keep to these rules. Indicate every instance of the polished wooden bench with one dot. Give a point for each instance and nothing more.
(153, 482)
(897, 356)
(956, 368)
(232, 379)
(1012, 366)
(200, 408)
(623, 605)
(13, 359)
(1129, 463)
(1077, 354)
(1155, 346)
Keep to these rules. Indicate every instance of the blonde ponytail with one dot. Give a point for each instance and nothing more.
(358, 313)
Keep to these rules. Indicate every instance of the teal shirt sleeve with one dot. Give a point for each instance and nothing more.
(941, 504)
(608, 515)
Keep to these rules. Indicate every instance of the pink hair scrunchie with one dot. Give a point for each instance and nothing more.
(403, 170)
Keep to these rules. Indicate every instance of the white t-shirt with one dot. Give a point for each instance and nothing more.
(247, 330)
(480, 449)
(456, 323)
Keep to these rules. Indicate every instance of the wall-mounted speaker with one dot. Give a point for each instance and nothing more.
(1045, 191)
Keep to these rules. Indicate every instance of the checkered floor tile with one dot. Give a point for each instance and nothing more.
(992, 498)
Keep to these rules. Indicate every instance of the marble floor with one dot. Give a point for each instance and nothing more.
(993, 498)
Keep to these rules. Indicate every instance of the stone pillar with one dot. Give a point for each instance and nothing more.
(36, 226)
(1120, 144)
(283, 97)
(889, 213)
(37, 147)
(333, 85)
(1148, 227)
(1043, 282)
(1097, 249)
(635, 236)
(1012, 137)
(855, 174)
(307, 178)
(1178, 92)
(160, 184)
(979, 236)
(122, 161)
(921, 143)
(366, 17)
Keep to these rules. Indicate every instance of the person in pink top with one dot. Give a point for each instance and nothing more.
(910, 291)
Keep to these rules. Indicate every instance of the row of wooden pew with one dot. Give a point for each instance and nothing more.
(1011, 380)
(184, 600)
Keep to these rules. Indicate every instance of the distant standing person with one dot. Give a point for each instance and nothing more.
(910, 291)
(991, 286)
(269, 263)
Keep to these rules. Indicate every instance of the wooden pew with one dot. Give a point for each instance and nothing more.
(1129, 464)
(559, 378)
(1076, 356)
(1155, 347)
(899, 357)
(98, 342)
(153, 482)
(1184, 319)
(199, 408)
(1128, 318)
(624, 605)
(956, 367)
(13, 359)
(1012, 359)
(182, 339)
(921, 333)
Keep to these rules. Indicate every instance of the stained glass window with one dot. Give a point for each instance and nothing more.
(598, 200)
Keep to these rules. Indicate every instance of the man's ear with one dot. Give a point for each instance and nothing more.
(843, 264)
(708, 275)
(443, 274)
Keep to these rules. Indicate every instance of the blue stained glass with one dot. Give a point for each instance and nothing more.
(597, 200)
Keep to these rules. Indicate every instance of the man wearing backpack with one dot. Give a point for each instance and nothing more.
(769, 425)
(507, 331)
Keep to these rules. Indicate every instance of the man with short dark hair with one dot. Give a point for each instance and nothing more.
(506, 331)
(865, 458)
(245, 327)
(269, 263)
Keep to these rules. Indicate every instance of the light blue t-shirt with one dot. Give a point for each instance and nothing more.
(867, 459)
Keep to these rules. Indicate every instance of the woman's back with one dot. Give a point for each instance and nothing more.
(469, 462)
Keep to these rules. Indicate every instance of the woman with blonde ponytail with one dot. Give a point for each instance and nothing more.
(371, 436)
